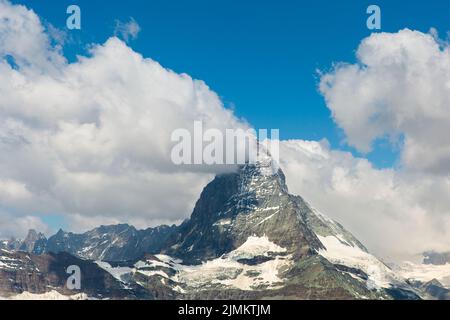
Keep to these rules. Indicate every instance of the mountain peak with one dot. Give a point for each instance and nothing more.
(33, 241)
(110, 243)
(254, 201)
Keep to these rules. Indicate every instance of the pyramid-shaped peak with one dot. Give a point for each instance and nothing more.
(267, 163)
(254, 201)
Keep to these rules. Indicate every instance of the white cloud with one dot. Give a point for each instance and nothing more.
(127, 30)
(22, 36)
(90, 140)
(18, 226)
(394, 213)
(400, 87)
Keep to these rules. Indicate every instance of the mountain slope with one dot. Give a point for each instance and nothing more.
(34, 242)
(233, 207)
(111, 243)
(24, 274)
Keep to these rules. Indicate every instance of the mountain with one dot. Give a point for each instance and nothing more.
(435, 290)
(27, 275)
(111, 243)
(34, 242)
(247, 238)
(11, 244)
(233, 207)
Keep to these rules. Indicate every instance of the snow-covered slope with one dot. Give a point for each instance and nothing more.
(340, 252)
(51, 295)
(342, 248)
(258, 263)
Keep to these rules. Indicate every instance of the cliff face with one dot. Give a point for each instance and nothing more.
(37, 274)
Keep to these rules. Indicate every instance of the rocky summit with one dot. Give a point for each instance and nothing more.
(247, 238)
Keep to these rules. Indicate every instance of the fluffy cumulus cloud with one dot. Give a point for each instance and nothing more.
(399, 89)
(92, 139)
(395, 213)
(19, 225)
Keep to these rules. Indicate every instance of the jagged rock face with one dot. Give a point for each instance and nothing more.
(34, 242)
(111, 243)
(431, 290)
(233, 207)
(12, 244)
(37, 274)
(436, 290)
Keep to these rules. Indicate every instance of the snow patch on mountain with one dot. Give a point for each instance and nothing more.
(231, 273)
(222, 222)
(340, 252)
(9, 263)
(255, 246)
(227, 271)
(265, 219)
(118, 272)
(51, 295)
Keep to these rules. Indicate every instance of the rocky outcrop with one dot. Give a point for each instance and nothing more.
(436, 290)
(37, 274)
(252, 201)
(34, 242)
(111, 243)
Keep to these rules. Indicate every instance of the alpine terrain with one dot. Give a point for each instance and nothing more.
(247, 238)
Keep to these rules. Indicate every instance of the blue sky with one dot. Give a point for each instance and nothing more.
(260, 56)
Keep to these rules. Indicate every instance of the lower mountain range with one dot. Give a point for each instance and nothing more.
(247, 238)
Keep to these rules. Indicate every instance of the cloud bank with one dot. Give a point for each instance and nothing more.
(395, 213)
(400, 89)
(90, 140)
